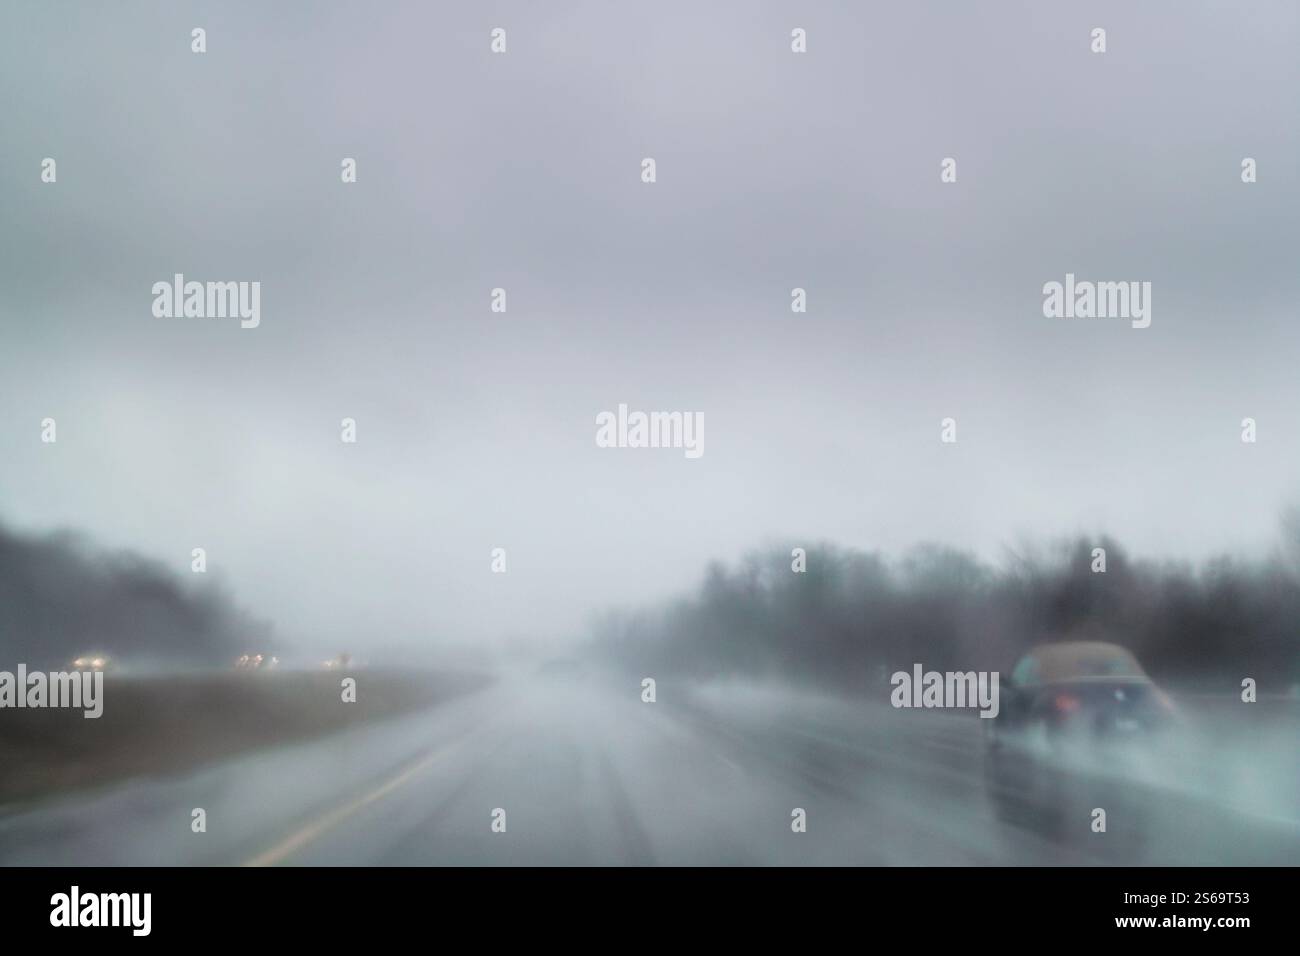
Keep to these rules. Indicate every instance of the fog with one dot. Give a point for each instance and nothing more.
(402, 493)
(475, 430)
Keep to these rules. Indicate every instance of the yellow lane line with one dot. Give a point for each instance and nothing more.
(328, 821)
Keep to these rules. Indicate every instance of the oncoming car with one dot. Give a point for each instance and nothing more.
(337, 663)
(256, 662)
(92, 662)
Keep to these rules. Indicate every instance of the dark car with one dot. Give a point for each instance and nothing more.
(1071, 706)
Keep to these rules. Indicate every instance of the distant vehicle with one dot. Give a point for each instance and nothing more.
(256, 662)
(1081, 687)
(337, 663)
(1070, 702)
(92, 662)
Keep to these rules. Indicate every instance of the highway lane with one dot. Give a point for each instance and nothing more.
(586, 773)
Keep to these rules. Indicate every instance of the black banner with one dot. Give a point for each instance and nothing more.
(374, 905)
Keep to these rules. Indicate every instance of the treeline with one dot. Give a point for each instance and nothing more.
(852, 617)
(60, 597)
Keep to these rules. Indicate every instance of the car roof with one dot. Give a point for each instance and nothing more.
(1076, 660)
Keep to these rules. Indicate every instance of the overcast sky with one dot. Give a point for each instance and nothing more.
(775, 170)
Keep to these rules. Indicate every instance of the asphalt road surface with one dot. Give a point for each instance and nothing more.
(587, 773)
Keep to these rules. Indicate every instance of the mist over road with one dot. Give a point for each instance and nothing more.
(589, 774)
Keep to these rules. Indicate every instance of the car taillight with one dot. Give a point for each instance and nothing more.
(1066, 703)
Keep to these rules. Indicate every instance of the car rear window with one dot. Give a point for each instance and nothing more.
(1072, 661)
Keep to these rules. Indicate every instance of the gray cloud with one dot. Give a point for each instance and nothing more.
(775, 170)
